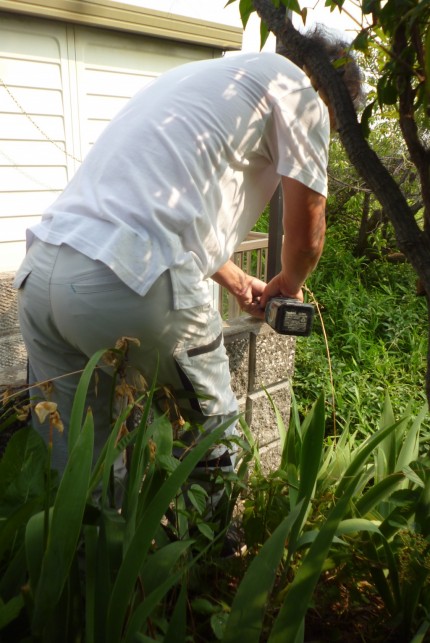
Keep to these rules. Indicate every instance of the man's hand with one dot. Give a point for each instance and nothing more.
(277, 288)
(249, 299)
(247, 290)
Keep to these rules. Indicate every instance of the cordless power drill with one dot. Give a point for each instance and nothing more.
(289, 316)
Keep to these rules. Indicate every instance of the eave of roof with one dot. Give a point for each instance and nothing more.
(133, 19)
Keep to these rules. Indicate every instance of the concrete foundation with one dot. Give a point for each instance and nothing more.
(261, 365)
(13, 357)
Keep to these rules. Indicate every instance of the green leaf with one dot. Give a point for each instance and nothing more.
(247, 612)
(368, 6)
(264, 34)
(141, 540)
(308, 537)
(79, 402)
(279, 421)
(389, 444)
(312, 449)
(160, 565)
(361, 41)
(410, 447)
(13, 572)
(162, 434)
(377, 493)
(387, 584)
(290, 458)
(412, 476)
(92, 627)
(362, 454)
(11, 526)
(65, 527)
(422, 512)
(354, 525)
(22, 469)
(365, 119)
(298, 596)
(218, 622)
(422, 631)
(111, 453)
(253, 444)
(246, 7)
(198, 497)
(404, 502)
(138, 465)
(310, 461)
(203, 606)
(386, 91)
(292, 5)
(177, 630)
(151, 602)
(10, 611)
(204, 529)
(34, 545)
(168, 462)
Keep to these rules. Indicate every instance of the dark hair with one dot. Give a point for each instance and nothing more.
(341, 57)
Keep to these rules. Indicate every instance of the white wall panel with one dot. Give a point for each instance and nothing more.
(30, 203)
(11, 227)
(25, 152)
(37, 101)
(36, 128)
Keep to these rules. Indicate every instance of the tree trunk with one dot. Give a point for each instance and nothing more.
(412, 241)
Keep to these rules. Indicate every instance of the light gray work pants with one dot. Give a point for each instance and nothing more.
(71, 306)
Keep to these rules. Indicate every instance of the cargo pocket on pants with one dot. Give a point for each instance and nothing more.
(203, 367)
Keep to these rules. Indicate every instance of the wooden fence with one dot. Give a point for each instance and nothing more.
(251, 256)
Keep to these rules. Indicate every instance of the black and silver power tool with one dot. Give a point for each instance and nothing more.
(289, 316)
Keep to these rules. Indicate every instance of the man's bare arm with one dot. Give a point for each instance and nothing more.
(304, 232)
(245, 288)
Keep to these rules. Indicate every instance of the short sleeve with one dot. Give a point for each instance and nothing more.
(300, 132)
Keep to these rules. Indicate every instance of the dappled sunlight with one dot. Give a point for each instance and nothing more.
(212, 141)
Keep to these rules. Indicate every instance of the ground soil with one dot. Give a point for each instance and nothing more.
(346, 609)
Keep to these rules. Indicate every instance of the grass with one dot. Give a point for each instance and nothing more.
(377, 338)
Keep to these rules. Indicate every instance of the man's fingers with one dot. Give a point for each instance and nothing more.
(253, 308)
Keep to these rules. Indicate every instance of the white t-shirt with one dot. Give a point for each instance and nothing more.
(181, 174)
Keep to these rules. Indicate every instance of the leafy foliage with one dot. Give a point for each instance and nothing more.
(90, 572)
(372, 318)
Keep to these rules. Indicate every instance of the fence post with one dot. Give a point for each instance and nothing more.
(275, 235)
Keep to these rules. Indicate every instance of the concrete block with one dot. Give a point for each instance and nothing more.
(8, 305)
(260, 361)
(275, 358)
(13, 356)
(12, 352)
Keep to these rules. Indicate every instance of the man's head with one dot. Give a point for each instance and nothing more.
(340, 55)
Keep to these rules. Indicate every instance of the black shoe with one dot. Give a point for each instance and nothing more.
(234, 541)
